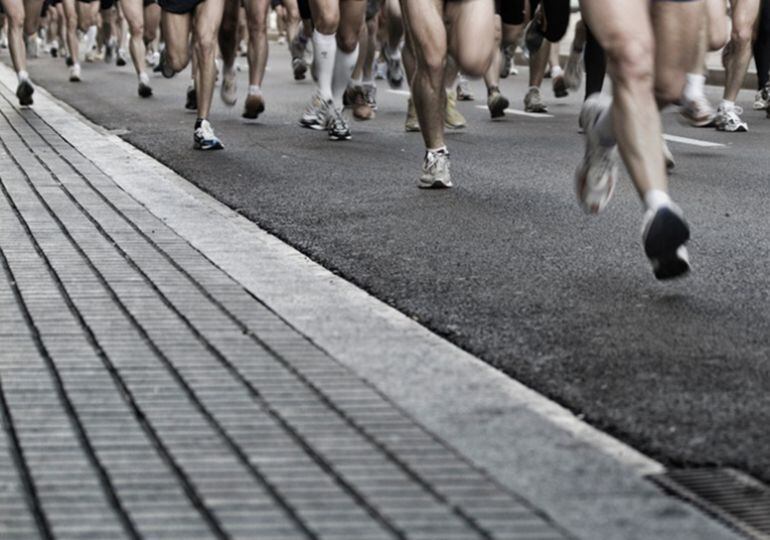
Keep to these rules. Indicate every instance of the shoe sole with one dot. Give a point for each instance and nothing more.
(199, 146)
(315, 127)
(434, 185)
(663, 237)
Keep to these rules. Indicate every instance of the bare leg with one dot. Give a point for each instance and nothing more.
(208, 17)
(14, 14)
(738, 53)
(133, 11)
(256, 17)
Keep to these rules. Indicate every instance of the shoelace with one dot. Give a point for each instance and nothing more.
(206, 131)
(433, 159)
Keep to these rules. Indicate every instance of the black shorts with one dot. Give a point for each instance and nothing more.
(304, 9)
(106, 4)
(149, 2)
(372, 9)
(180, 7)
(276, 3)
(557, 13)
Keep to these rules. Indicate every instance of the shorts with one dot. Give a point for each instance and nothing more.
(146, 3)
(304, 9)
(180, 7)
(557, 12)
(106, 4)
(276, 3)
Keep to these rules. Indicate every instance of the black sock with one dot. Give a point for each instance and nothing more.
(198, 122)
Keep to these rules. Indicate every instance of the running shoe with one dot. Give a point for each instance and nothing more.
(121, 59)
(533, 35)
(506, 61)
(254, 106)
(559, 86)
(370, 95)
(664, 235)
(356, 100)
(204, 138)
(395, 72)
(597, 174)
(380, 69)
(452, 117)
(32, 46)
(435, 171)
(698, 112)
(573, 72)
(463, 90)
(668, 157)
(229, 90)
(299, 67)
(728, 119)
(53, 49)
(24, 92)
(336, 125)
(191, 99)
(75, 73)
(144, 90)
(152, 59)
(163, 66)
(412, 123)
(533, 101)
(497, 103)
(68, 61)
(109, 52)
(314, 116)
(762, 99)
(91, 56)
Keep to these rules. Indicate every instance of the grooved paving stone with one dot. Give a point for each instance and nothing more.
(206, 412)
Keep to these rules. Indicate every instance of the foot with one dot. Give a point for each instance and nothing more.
(463, 90)
(370, 95)
(559, 86)
(664, 234)
(728, 119)
(573, 72)
(435, 171)
(358, 103)
(204, 138)
(336, 125)
(452, 117)
(507, 61)
(120, 58)
(395, 72)
(144, 90)
(762, 99)
(191, 101)
(314, 116)
(412, 123)
(75, 73)
(299, 66)
(533, 101)
(698, 112)
(254, 106)
(24, 92)
(229, 90)
(497, 103)
(597, 174)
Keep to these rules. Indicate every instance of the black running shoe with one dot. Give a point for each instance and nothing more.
(192, 99)
(664, 234)
(69, 61)
(144, 90)
(24, 92)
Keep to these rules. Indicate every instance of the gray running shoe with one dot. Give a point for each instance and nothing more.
(435, 171)
(497, 103)
(533, 102)
(597, 174)
(507, 61)
(314, 116)
(336, 124)
(463, 90)
(573, 72)
(728, 119)
(395, 72)
(762, 99)
(229, 89)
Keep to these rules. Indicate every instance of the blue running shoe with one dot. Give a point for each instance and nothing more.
(204, 137)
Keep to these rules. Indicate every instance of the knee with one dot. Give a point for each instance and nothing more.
(630, 60)
(347, 41)
(257, 27)
(205, 46)
(136, 29)
(741, 35)
(15, 19)
(326, 23)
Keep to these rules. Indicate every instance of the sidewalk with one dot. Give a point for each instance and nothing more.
(169, 371)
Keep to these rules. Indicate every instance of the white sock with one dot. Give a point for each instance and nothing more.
(556, 71)
(343, 69)
(23, 76)
(91, 37)
(368, 80)
(726, 105)
(356, 82)
(324, 53)
(395, 54)
(439, 149)
(655, 198)
(603, 128)
(255, 90)
(693, 88)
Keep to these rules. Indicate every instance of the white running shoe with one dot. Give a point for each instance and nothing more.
(597, 174)
(762, 99)
(533, 101)
(664, 234)
(435, 171)
(698, 112)
(229, 89)
(75, 73)
(728, 119)
(314, 116)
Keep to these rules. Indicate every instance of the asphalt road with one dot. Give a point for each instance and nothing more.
(506, 265)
